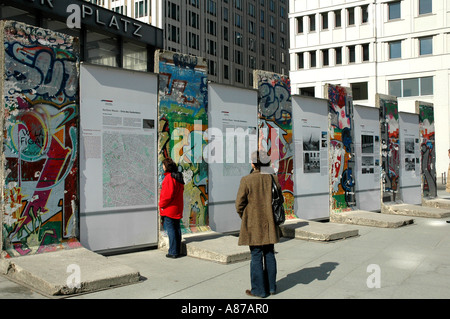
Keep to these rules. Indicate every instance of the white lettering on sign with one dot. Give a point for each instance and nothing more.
(77, 14)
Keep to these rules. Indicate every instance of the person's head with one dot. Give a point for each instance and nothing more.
(260, 159)
(169, 165)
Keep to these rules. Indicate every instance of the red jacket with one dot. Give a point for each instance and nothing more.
(171, 197)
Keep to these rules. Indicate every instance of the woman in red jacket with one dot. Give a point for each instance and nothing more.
(171, 205)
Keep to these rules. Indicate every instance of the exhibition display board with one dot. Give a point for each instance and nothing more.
(410, 179)
(232, 137)
(118, 151)
(311, 173)
(367, 157)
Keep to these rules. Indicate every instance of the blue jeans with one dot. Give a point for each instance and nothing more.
(173, 228)
(263, 270)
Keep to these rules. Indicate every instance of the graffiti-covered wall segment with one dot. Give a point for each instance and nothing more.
(39, 124)
(183, 119)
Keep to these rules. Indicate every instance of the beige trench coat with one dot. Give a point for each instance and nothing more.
(447, 186)
(254, 206)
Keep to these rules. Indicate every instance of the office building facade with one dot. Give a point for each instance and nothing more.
(400, 48)
(235, 36)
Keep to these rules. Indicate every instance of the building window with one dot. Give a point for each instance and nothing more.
(337, 19)
(141, 9)
(309, 91)
(338, 55)
(299, 25)
(426, 45)
(365, 14)
(395, 49)
(239, 75)
(225, 72)
(351, 16)
(365, 52)
(325, 58)
(324, 16)
(312, 22)
(394, 10)
(411, 87)
(360, 91)
(312, 59)
(352, 54)
(425, 6)
(300, 60)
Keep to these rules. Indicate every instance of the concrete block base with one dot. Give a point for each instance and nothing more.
(316, 231)
(68, 272)
(442, 203)
(211, 246)
(366, 218)
(415, 210)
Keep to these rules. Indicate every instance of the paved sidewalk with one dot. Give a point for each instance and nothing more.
(414, 262)
(409, 262)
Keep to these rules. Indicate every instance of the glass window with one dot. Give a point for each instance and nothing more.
(360, 91)
(425, 6)
(411, 87)
(365, 52)
(395, 50)
(338, 55)
(426, 45)
(325, 57)
(312, 59)
(351, 54)
(395, 88)
(134, 57)
(351, 16)
(426, 85)
(299, 24)
(324, 20)
(365, 13)
(300, 60)
(312, 22)
(394, 10)
(337, 18)
(101, 49)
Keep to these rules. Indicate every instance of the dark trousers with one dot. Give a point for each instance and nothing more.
(263, 270)
(173, 228)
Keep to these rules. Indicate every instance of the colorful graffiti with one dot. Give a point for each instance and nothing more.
(40, 136)
(183, 102)
(340, 108)
(275, 129)
(390, 147)
(427, 149)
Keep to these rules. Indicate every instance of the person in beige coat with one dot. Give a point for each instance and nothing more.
(447, 186)
(258, 229)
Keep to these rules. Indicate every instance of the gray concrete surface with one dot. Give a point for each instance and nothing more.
(366, 218)
(317, 231)
(408, 262)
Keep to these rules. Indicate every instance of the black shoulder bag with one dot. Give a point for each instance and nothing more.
(277, 204)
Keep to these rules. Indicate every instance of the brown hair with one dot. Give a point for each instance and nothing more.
(170, 165)
(260, 159)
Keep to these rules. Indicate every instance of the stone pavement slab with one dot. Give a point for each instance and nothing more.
(366, 218)
(67, 272)
(415, 210)
(439, 202)
(317, 231)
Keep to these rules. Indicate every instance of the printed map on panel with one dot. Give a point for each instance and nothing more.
(128, 170)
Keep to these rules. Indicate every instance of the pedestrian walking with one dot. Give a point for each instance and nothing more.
(258, 229)
(171, 205)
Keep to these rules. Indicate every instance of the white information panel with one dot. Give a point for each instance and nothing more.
(367, 157)
(311, 173)
(118, 150)
(232, 137)
(410, 182)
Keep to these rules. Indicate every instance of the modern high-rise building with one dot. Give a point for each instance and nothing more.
(235, 36)
(394, 47)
